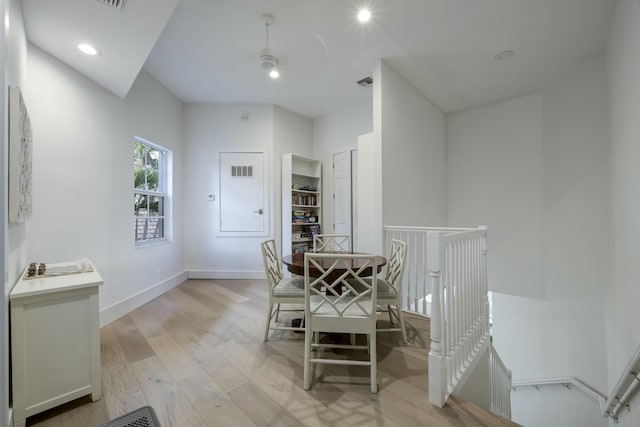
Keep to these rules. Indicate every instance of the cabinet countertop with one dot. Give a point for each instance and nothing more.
(44, 285)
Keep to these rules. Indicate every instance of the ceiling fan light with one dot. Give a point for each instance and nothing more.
(274, 74)
(268, 61)
(364, 15)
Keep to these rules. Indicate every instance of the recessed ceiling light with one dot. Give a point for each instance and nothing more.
(364, 15)
(274, 74)
(88, 49)
(505, 54)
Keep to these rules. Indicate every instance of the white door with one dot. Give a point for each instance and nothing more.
(242, 193)
(342, 193)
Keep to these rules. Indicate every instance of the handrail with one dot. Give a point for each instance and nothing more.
(624, 388)
(565, 381)
(425, 229)
(619, 396)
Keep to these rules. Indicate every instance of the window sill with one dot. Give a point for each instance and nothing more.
(152, 243)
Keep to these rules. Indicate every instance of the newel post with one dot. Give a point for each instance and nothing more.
(437, 381)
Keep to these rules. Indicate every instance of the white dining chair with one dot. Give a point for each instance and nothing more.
(282, 290)
(331, 243)
(390, 288)
(334, 305)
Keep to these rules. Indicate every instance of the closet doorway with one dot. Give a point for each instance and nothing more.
(345, 194)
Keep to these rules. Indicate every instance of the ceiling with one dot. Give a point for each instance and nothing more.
(206, 51)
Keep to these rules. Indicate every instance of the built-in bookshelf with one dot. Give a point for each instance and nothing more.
(301, 203)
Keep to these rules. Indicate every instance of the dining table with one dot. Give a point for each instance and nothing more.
(295, 265)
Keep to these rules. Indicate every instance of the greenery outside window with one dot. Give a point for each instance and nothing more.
(150, 197)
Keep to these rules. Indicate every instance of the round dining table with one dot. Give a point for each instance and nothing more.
(295, 265)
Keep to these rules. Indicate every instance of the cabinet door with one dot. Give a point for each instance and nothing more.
(242, 193)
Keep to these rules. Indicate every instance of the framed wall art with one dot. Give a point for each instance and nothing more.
(20, 152)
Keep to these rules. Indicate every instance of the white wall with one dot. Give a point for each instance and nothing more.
(336, 132)
(5, 418)
(82, 179)
(532, 169)
(623, 90)
(209, 129)
(16, 70)
(13, 50)
(292, 133)
(494, 178)
(413, 137)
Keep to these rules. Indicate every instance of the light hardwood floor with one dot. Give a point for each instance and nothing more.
(196, 355)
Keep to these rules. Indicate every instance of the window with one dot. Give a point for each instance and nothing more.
(150, 198)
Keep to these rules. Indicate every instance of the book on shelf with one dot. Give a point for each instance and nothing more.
(313, 230)
(304, 200)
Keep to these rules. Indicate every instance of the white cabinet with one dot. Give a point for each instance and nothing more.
(301, 202)
(55, 341)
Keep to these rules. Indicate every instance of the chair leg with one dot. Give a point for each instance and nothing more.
(401, 318)
(277, 311)
(308, 336)
(390, 316)
(373, 360)
(266, 329)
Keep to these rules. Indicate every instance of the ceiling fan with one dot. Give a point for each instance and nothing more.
(267, 59)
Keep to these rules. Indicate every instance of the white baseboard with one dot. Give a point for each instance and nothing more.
(226, 274)
(119, 309)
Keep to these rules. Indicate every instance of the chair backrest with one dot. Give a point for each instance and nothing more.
(395, 264)
(272, 264)
(331, 243)
(337, 285)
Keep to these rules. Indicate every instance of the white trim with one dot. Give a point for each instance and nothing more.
(226, 274)
(127, 305)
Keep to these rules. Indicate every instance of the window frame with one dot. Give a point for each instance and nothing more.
(162, 192)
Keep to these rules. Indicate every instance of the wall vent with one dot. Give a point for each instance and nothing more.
(242, 171)
(367, 81)
(116, 4)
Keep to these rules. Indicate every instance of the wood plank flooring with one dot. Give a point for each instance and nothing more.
(196, 355)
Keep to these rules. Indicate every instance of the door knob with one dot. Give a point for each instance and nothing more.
(259, 211)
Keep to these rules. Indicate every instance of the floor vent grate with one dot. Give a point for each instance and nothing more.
(143, 417)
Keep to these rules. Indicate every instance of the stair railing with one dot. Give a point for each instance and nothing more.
(625, 388)
(416, 286)
(446, 279)
(460, 308)
(500, 385)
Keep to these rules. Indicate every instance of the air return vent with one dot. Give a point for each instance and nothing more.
(242, 171)
(116, 4)
(367, 81)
